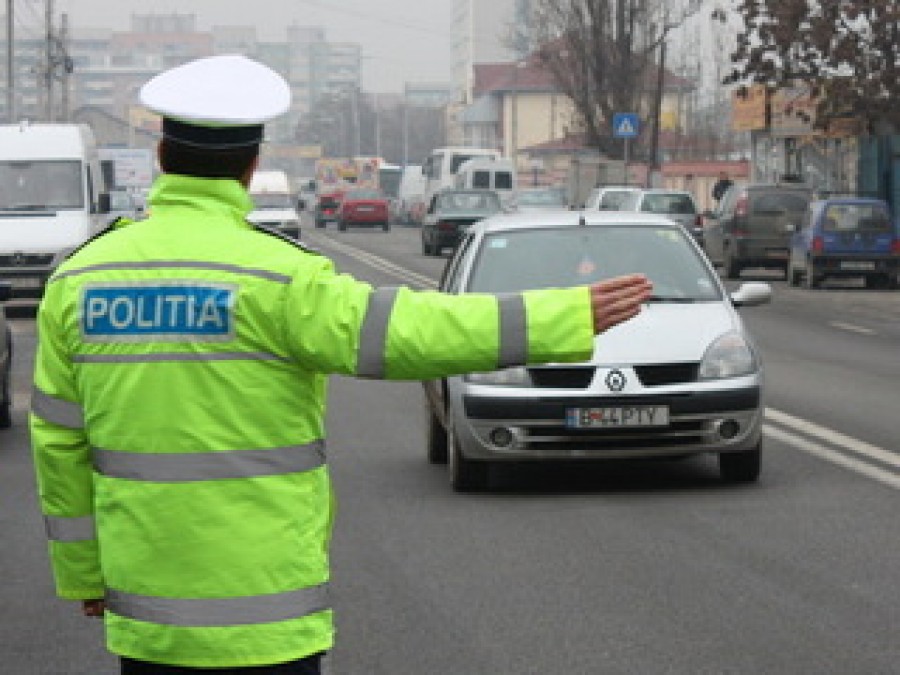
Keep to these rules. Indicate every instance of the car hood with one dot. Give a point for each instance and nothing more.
(666, 333)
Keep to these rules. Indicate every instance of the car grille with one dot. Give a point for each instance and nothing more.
(580, 377)
(26, 259)
(667, 373)
(678, 433)
(576, 377)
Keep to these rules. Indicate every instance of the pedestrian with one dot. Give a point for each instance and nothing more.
(721, 186)
(179, 397)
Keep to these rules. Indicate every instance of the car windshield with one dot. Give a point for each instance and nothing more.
(779, 202)
(540, 198)
(469, 202)
(515, 260)
(357, 195)
(671, 203)
(618, 200)
(856, 218)
(41, 185)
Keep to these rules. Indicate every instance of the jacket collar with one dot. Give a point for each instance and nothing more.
(207, 194)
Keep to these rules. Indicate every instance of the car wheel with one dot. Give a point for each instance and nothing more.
(342, 226)
(466, 475)
(794, 276)
(386, 226)
(320, 223)
(426, 249)
(437, 437)
(810, 280)
(741, 467)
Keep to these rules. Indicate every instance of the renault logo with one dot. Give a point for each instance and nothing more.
(615, 380)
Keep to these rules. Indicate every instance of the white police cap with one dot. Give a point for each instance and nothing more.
(217, 102)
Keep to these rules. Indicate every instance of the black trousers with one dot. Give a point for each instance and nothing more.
(310, 665)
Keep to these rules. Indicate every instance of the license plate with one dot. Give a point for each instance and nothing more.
(618, 416)
(857, 265)
(365, 208)
(776, 253)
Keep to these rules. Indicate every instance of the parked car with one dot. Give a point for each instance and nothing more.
(6, 356)
(450, 212)
(846, 237)
(677, 205)
(612, 198)
(365, 207)
(539, 198)
(682, 378)
(327, 207)
(753, 226)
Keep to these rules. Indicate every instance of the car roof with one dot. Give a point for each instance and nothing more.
(565, 218)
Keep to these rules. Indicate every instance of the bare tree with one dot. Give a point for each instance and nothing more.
(846, 51)
(602, 54)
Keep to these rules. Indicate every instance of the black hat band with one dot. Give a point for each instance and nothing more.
(212, 137)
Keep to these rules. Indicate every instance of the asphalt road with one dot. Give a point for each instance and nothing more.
(627, 568)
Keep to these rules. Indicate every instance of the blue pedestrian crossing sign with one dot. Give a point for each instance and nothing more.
(626, 125)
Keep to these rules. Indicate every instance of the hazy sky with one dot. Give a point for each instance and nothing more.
(402, 40)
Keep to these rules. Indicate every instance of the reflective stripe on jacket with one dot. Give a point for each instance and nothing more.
(178, 418)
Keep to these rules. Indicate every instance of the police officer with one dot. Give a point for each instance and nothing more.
(179, 394)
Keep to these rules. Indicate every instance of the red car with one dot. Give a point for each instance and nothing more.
(364, 207)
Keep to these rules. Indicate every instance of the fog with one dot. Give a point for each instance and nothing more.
(402, 40)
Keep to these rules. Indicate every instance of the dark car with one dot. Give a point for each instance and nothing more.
(753, 226)
(364, 207)
(327, 207)
(451, 212)
(845, 237)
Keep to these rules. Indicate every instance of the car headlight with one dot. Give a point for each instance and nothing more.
(728, 356)
(508, 377)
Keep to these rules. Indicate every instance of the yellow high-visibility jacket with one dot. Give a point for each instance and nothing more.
(177, 417)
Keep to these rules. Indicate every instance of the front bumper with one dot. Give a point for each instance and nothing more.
(537, 425)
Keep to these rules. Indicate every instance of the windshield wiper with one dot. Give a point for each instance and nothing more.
(671, 299)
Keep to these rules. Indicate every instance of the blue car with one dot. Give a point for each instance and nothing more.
(846, 237)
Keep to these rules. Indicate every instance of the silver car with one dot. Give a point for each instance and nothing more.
(682, 378)
(678, 205)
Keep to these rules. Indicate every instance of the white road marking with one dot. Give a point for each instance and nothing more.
(853, 329)
(833, 437)
(833, 456)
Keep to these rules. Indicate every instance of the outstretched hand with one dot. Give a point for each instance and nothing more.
(619, 299)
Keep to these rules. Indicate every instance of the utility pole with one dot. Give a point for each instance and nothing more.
(10, 64)
(48, 59)
(657, 114)
(66, 67)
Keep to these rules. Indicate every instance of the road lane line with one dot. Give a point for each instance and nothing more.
(380, 263)
(833, 456)
(834, 437)
(850, 327)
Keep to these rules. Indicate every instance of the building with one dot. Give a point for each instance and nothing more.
(486, 32)
(108, 68)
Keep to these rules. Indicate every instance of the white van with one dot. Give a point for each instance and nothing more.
(485, 173)
(274, 203)
(52, 199)
(442, 165)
